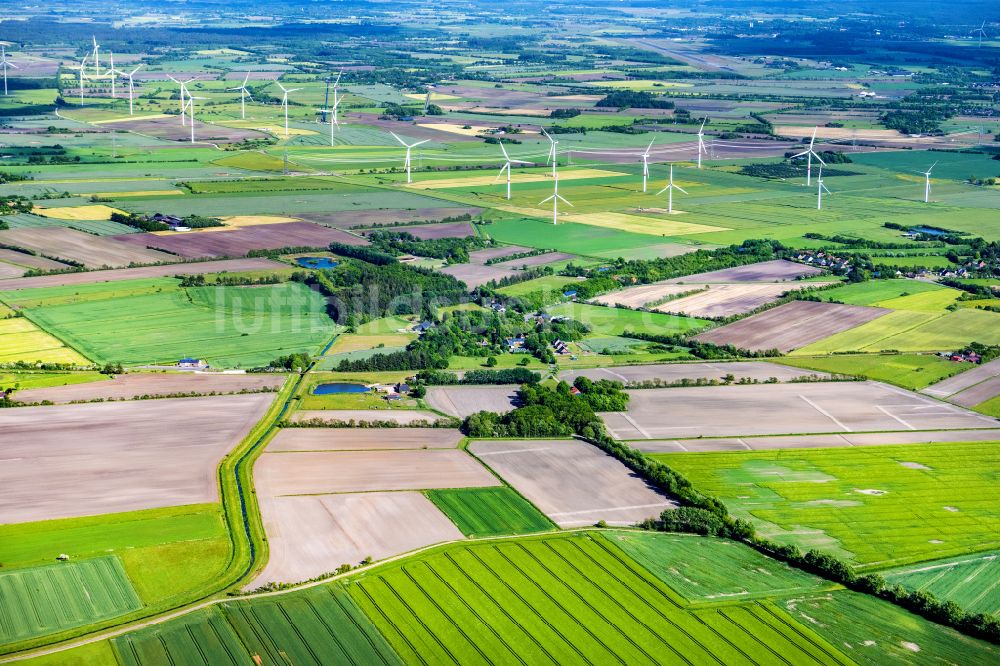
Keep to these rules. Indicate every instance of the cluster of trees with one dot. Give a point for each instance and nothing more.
(145, 224)
(630, 99)
(9, 205)
(229, 280)
(516, 255)
(8, 177)
(366, 254)
(785, 170)
(542, 412)
(453, 250)
(505, 376)
(563, 114)
(299, 362)
(915, 121)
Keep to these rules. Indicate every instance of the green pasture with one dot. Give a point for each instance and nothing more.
(203, 637)
(550, 283)
(874, 292)
(41, 600)
(581, 239)
(227, 326)
(911, 371)
(27, 380)
(605, 321)
(870, 336)
(489, 511)
(43, 297)
(880, 505)
(971, 581)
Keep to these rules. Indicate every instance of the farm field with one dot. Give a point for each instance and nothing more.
(137, 385)
(198, 268)
(580, 239)
(773, 442)
(791, 326)
(203, 638)
(226, 326)
(573, 483)
(778, 270)
(777, 409)
(878, 506)
(911, 371)
(114, 453)
(971, 580)
(615, 321)
(461, 401)
(968, 378)
(675, 372)
(726, 300)
(403, 417)
(43, 600)
(481, 512)
(977, 394)
(21, 340)
(475, 275)
(83, 248)
(358, 439)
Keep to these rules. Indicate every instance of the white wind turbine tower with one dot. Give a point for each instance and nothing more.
(409, 146)
(553, 152)
(701, 141)
(244, 93)
(982, 33)
(555, 198)
(333, 117)
(645, 166)
(506, 167)
(5, 64)
(336, 98)
(83, 64)
(113, 73)
(190, 105)
(284, 102)
(131, 86)
(820, 188)
(669, 189)
(97, 59)
(809, 153)
(184, 91)
(927, 183)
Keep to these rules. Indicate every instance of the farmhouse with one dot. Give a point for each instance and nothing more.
(192, 363)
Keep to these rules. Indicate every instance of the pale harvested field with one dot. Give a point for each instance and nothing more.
(778, 270)
(636, 297)
(309, 536)
(9, 271)
(83, 460)
(359, 439)
(726, 300)
(194, 268)
(475, 275)
(133, 385)
(461, 401)
(791, 325)
(537, 260)
(981, 392)
(803, 132)
(760, 371)
(400, 416)
(967, 379)
(30, 260)
(778, 409)
(442, 230)
(641, 225)
(482, 256)
(350, 219)
(517, 177)
(93, 212)
(316, 473)
(812, 441)
(87, 249)
(572, 482)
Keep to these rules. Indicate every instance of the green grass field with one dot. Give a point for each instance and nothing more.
(875, 291)
(203, 637)
(911, 371)
(489, 511)
(605, 321)
(971, 581)
(711, 570)
(581, 239)
(42, 600)
(874, 632)
(566, 599)
(551, 283)
(85, 293)
(26, 380)
(881, 505)
(227, 326)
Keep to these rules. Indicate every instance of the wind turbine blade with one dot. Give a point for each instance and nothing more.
(280, 86)
(551, 140)
(681, 189)
(932, 167)
(414, 145)
(802, 154)
(245, 79)
(547, 199)
(649, 146)
(8, 63)
(337, 82)
(398, 139)
(502, 169)
(520, 162)
(702, 129)
(293, 90)
(132, 73)
(663, 190)
(813, 140)
(561, 198)
(506, 156)
(816, 155)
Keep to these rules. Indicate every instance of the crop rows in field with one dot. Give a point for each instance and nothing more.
(41, 600)
(886, 504)
(971, 581)
(489, 511)
(202, 638)
(21, 340)
(559, 600)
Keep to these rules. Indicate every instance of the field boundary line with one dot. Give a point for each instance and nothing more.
(893, 416)
(825, 413)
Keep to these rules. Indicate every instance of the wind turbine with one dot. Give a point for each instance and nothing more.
(555, 198)
(284, 102)
(131, 86)
(113, 73)
(333, 116)
(83, 63)
(409, 146)
(553, 152)
(184, 91)
(506, 167)
(701, 141)
(982, 33)
(97, 59)
(645, 166)
(809, 153)
(190, 104)
(927, 183)
(820, 188)
(669, 189)
(5, 64)
(244, 93)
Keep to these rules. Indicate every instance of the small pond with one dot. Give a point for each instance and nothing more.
(316, 262)
(340, 387)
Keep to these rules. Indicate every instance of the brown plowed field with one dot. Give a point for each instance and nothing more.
(778, 270)
(372, 218)
(356, 439)
(126, 387)
(87, 249)
(195, 268)
(791, 325)
(83, 460)
(237, 242)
